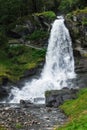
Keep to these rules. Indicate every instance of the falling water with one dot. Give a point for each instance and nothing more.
(59, 67)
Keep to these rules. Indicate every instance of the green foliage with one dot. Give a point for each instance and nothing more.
(70, 5)
(15, 50)
(37, 34)
(11, 10)
(77, 112)
(69, 15)
(51, 5)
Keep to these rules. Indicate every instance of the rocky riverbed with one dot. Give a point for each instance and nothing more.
(35, 117)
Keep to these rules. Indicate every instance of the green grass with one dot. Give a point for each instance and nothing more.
(17, 59)
(77, 112)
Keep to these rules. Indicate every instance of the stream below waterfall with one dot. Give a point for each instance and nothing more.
(31, 118)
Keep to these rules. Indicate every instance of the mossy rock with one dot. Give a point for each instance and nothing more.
(47, 14)
(44, 20)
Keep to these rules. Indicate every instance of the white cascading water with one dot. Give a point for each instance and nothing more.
(58, 70)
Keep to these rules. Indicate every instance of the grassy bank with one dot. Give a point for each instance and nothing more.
(77, 112)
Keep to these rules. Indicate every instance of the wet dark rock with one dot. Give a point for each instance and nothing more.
(25, 103)
(13, 34)
(55, 98)
(76, 53)
(4, 81)
(29, 104)
(29, 72)
(36, 100)
(3, 93)
(78, 29)
(81, 71)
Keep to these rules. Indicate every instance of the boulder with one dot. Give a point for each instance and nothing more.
(29, 72)
(25, 103)
(38, 100)
(3, 92)
(55, 98)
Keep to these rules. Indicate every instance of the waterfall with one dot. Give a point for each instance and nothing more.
(58, 70)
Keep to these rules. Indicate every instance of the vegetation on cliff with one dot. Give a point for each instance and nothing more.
(67, 6)
(17, 59)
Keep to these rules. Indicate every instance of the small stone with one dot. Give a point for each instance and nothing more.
(38, 123)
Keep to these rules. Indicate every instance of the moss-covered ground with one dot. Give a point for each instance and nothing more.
(16, 59)
(77, 112)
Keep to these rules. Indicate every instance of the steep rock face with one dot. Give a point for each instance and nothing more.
(77, 25)
(33, 29)
(55, 98)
